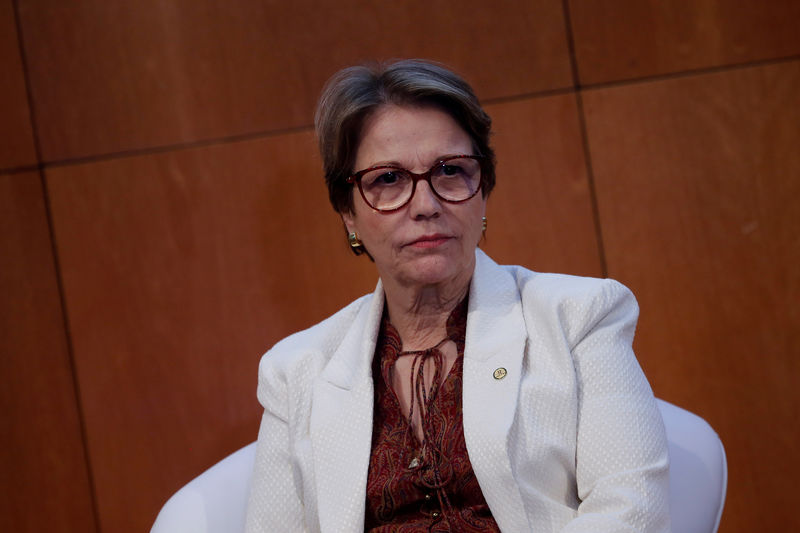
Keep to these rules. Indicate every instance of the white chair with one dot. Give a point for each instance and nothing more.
(698, 477)
(215, 501)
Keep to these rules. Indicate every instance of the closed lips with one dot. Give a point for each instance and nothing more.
(429, 239)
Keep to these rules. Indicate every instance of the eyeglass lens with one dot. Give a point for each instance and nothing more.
(454, 180)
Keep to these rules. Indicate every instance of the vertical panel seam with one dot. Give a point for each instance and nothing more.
(573, 61)
(585, 139)
(28, 91)
(601, 250)
(56, 265)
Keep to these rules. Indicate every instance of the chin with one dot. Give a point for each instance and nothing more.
(433, 270)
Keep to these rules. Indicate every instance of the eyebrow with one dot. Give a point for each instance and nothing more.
(386, 164)
(395, 164)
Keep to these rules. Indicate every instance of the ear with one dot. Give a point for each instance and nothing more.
(483, 207)
(349, 222)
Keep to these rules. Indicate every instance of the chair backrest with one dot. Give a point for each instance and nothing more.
(216, 500)
(213, 502)
(698, 477)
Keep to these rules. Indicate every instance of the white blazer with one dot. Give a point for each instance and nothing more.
(570, 439)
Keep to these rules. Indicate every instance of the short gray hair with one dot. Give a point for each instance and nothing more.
(352, 94)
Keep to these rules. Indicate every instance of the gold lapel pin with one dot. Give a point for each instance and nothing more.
(500, 373)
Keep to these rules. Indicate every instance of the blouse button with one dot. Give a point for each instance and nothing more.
(435, 514)
(428, 497)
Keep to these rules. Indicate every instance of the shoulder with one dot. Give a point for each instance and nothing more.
(290, 366)
(321, 339)
(573, 304)
(547, 289)
(565, 290)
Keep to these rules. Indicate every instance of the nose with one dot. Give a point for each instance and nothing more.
(424, 203)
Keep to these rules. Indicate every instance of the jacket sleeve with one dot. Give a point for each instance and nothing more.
(622, 467)
(274, 503)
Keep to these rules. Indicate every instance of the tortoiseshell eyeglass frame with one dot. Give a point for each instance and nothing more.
(356, 179)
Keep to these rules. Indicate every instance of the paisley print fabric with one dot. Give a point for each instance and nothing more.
(427, 486)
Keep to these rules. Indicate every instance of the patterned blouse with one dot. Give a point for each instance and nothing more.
(423, 486)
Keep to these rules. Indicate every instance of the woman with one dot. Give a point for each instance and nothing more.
(460, 395)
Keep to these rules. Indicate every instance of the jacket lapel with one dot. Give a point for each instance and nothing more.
(496, 340)
(341, 423)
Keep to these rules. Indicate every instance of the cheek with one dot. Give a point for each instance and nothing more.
(475, 221)
(381, 231)
(371, 229)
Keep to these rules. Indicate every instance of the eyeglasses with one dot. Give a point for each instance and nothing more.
(388, 188)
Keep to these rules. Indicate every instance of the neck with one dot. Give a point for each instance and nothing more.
(420, 313)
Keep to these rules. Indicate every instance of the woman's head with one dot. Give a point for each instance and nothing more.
(356, 93)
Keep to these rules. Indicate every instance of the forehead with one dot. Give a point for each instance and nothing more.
(409, 136)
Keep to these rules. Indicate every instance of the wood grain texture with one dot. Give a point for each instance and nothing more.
(624, 39)
(180, 270)
(540, 213)
(16, 136)
(116, 76)
(45, 483)
(697, 181)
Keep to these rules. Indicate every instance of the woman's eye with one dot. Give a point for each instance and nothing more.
(451, 170)
(387, 178)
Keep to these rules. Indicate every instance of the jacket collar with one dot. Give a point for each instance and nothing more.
(348, 365)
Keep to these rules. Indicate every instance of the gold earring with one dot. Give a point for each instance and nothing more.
(483, 225)
(356, 245)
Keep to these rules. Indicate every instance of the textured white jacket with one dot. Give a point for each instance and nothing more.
(569, 440)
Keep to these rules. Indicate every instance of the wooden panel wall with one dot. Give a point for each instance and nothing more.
(46, 485)
(695, 178)
(17, 148)
(183, 222)
(187, 70)
(628, 39)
